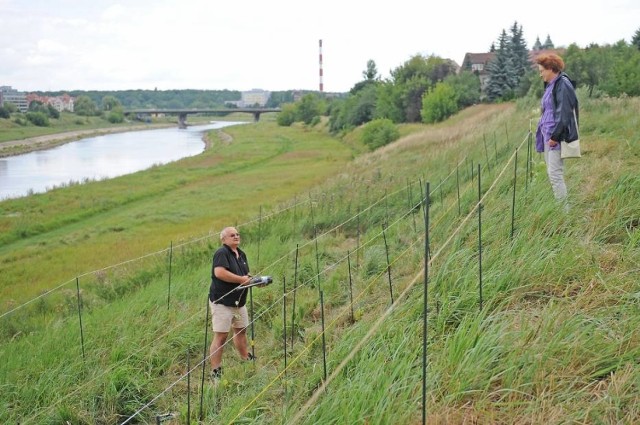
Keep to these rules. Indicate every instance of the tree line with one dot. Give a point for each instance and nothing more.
(429, 89)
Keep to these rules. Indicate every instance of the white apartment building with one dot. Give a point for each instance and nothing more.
(11, 95)
(254, 97)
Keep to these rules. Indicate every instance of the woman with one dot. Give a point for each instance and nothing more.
(559, 119)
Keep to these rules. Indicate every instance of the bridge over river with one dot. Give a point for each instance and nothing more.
(182, 113)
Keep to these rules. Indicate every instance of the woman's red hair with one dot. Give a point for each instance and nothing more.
(550, 61)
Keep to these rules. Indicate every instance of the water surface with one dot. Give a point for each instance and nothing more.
(99, 157)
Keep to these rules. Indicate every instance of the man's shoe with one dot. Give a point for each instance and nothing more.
(216, 374)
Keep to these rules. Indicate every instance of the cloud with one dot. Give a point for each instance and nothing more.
(114, 12)
(174, 44)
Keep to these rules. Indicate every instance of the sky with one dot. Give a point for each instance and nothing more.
(51, 45)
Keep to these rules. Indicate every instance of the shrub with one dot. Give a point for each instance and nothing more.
(439, 103)
(4, 112)
(38, 118)
(115, 116)
(287, 115)
(315, 121)
(379, 132)
(53, 112)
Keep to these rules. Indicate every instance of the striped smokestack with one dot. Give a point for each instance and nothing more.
(321, 85)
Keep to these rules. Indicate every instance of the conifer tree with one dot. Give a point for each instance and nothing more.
(635, 41)
(518, 52)
(502, 75)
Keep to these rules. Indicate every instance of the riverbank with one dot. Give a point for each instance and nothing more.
(48, 141)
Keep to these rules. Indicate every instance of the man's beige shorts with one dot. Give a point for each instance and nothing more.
(223, 318)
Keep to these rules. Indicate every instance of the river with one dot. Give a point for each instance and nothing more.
(100, 157)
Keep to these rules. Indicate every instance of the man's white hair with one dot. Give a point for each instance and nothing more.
(223, 233)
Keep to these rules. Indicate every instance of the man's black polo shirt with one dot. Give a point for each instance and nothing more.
(222, 292)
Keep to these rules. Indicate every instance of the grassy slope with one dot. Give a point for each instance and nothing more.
(49, 238)
(554, 343)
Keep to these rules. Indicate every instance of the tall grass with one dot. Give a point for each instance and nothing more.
(555, 342)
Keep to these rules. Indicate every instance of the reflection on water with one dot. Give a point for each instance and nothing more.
(98, 157)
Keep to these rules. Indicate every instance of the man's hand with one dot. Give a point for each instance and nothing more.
(553, 143)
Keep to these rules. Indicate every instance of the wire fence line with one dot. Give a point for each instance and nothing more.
(272, 265)
(179, 325)
(321, 389)
(276, 302)
(133, 260)
(347, 307)
(208, 236)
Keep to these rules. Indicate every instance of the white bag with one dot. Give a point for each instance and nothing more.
(571, 149)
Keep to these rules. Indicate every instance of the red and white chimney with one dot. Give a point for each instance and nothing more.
(321, 85)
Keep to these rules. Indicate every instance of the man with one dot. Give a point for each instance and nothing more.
(229, 272)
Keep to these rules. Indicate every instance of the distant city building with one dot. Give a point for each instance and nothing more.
(255, 97)
(61, 103)
(11, 95)
(233, 103)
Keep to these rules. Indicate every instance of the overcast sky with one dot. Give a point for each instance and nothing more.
(272, 45)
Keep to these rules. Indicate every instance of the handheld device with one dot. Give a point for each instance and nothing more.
(256, 281)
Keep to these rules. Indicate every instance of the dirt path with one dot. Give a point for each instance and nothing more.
(17, 147)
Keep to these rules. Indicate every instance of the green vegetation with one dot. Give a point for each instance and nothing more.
(170, 99)
(12, 129)
(557, 339)
(430, 89)
(378, 133)
(48, 238)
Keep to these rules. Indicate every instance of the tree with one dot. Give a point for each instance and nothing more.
(625, 70)
(467, 65)
(278, 98)
(361, 106)
(287, 115)
(439, 103)
(109, 103)
(415, 77)
(371, 73)
(85, 106)
(370, 77)
(4, 113)
(502, 74)
(309, 107)
(36, 106)
(635, 41)
(53, 112)
(389, 102)
(589, 67)
(466, 86)
(518, 52)
(11, 107)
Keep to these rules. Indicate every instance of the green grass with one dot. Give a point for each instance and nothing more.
(49, 238)
(557, 339)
